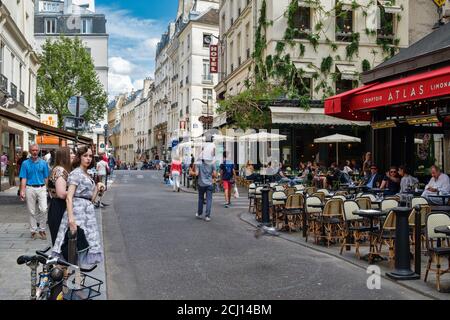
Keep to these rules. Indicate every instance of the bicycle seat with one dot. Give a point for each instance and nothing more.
(25, 259)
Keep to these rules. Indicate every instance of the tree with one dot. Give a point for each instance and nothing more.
(67, 70)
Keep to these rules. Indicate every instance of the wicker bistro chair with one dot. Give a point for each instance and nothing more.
(372, 199)
(364, 203)
(418, 201)
(292, 212)
(299, 187)
(386, 235)
(324, 191)
(290, 191)
(341, 193)
(310, 190)
(332, 220)
(258, 203)
(312, 217)
(435, 253)
(251, 197)
(354, 229)
(425, 210)
(343, 198)
(278, 202)
(319, 195)
(279, 188)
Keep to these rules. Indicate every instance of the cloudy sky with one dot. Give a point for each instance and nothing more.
(134, 29)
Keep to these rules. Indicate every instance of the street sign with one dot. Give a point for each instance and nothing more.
(439, 3)
(72, 105)
(70, 123)
(102, 145)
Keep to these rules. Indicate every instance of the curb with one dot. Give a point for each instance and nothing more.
(343, 258)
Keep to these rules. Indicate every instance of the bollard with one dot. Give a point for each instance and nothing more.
(265, 206)
(417, 240)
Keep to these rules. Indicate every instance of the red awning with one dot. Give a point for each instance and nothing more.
(338, 105)
(421, 86)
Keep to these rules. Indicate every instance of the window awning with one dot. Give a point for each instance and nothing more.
(348, 71)
(316, 116)
(305, 66)
(431, 84)
(43, 128)
(338, 105)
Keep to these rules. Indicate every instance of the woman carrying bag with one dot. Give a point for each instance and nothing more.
(80, 213)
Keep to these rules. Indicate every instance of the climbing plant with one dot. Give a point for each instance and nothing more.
(276, 76)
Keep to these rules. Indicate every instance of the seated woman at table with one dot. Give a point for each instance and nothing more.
(439, 182)
(303, 175)
(408, 182)
(348, 167)
(391, 182)
(249, 171)
(333, 176)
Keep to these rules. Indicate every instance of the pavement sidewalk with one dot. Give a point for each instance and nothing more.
(15, 240)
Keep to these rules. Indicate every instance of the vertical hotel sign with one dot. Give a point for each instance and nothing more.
(213, 58)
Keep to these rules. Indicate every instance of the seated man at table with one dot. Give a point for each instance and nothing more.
(408, 182)
(391, 182)
(439, 182)
(374, 179)
(333, 176)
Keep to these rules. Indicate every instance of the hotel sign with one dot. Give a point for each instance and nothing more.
(51, 6)
(214, 58)
(391, 93)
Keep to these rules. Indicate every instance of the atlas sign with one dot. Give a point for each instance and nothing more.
(214, 58)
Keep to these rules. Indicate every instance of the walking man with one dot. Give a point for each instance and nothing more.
(33, 188)
(205, 172)
(228, 175)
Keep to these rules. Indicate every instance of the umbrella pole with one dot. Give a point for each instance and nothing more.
(337, 154)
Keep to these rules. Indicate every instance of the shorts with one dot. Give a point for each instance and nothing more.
(227, 184)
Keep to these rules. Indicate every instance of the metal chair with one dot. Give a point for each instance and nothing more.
(312, 216)
(435, 253)
(331, 220)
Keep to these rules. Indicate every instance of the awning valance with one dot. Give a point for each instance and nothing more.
(315, 116)
(348, 71)
(305, 66)
(421, 86)
(43, 128)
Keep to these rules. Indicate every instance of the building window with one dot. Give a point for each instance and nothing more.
(188, 42)
(302, 21)
(238, 49)
(385, 29)
(207, 77)
(304, 86)
(343, 85)
(344, 25)
(50, 26)
(86, 26)
(207, 95)
(2, 50)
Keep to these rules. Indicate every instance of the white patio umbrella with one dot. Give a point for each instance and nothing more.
(337, 138)
(221, 138)
(263, 137)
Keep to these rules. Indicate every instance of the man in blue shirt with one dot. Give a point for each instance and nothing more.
(34, 173)
(374, 179)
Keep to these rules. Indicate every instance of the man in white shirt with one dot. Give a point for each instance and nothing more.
(439, 182)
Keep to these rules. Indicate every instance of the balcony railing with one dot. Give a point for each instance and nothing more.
(3, 83)
(187, 79)
(181, 84)
(22, 97)
(232, 67)
(248, 53)
(13, 91)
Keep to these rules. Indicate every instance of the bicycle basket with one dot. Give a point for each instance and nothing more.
(88, 289)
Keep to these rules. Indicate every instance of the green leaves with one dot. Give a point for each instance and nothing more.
(326, 64)
(66, 70)
(353, 47)
(365, 65)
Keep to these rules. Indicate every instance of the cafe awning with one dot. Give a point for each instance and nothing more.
(360, 101)
(43, 128)
(315, 116)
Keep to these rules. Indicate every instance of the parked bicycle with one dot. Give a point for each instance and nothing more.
(58, 279)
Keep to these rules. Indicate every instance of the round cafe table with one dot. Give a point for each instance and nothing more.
(443, 229)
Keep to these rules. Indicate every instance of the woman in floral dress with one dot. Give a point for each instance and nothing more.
(80, 212)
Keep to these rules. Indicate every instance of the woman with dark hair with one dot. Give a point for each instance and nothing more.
(81, 195)
(57, 188)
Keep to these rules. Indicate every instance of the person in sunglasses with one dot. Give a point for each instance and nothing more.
(391, 182)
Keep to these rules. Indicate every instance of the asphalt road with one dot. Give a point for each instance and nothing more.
(156, 249)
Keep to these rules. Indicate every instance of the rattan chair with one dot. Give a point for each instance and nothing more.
(320, 195)
(258, 203)
(332, 220)
(353, 228)
(278, 202)
(435, 253)
(343, 198)
(310, 190)
(313, 216)
(418, 201)
(251, 197)
(425, 210)
(341, 193)
(324, 191)
(292, 212)
(372, 200)
(387, 235)
(290, 191)
(299, 187)
(364, 203)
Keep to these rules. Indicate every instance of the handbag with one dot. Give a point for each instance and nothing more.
(82, 243)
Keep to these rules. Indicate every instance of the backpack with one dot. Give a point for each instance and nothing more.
(227, 171)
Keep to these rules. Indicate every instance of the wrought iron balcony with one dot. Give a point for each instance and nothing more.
(13, 91)
(22, 97)
(3, 83)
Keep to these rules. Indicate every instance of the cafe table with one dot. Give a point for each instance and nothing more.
(443, 229)
(371, 214)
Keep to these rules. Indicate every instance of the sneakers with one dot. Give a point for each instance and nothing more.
(43, 235)
(207, 219)
(227, 205)
(198, 216)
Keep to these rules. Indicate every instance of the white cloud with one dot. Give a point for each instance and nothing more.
(119, 65)
(132, 48)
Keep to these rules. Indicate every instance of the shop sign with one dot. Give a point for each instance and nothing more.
(214, 58)
(402, 93)
(439, 3)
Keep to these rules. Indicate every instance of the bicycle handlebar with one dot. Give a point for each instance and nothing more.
(62, 262)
